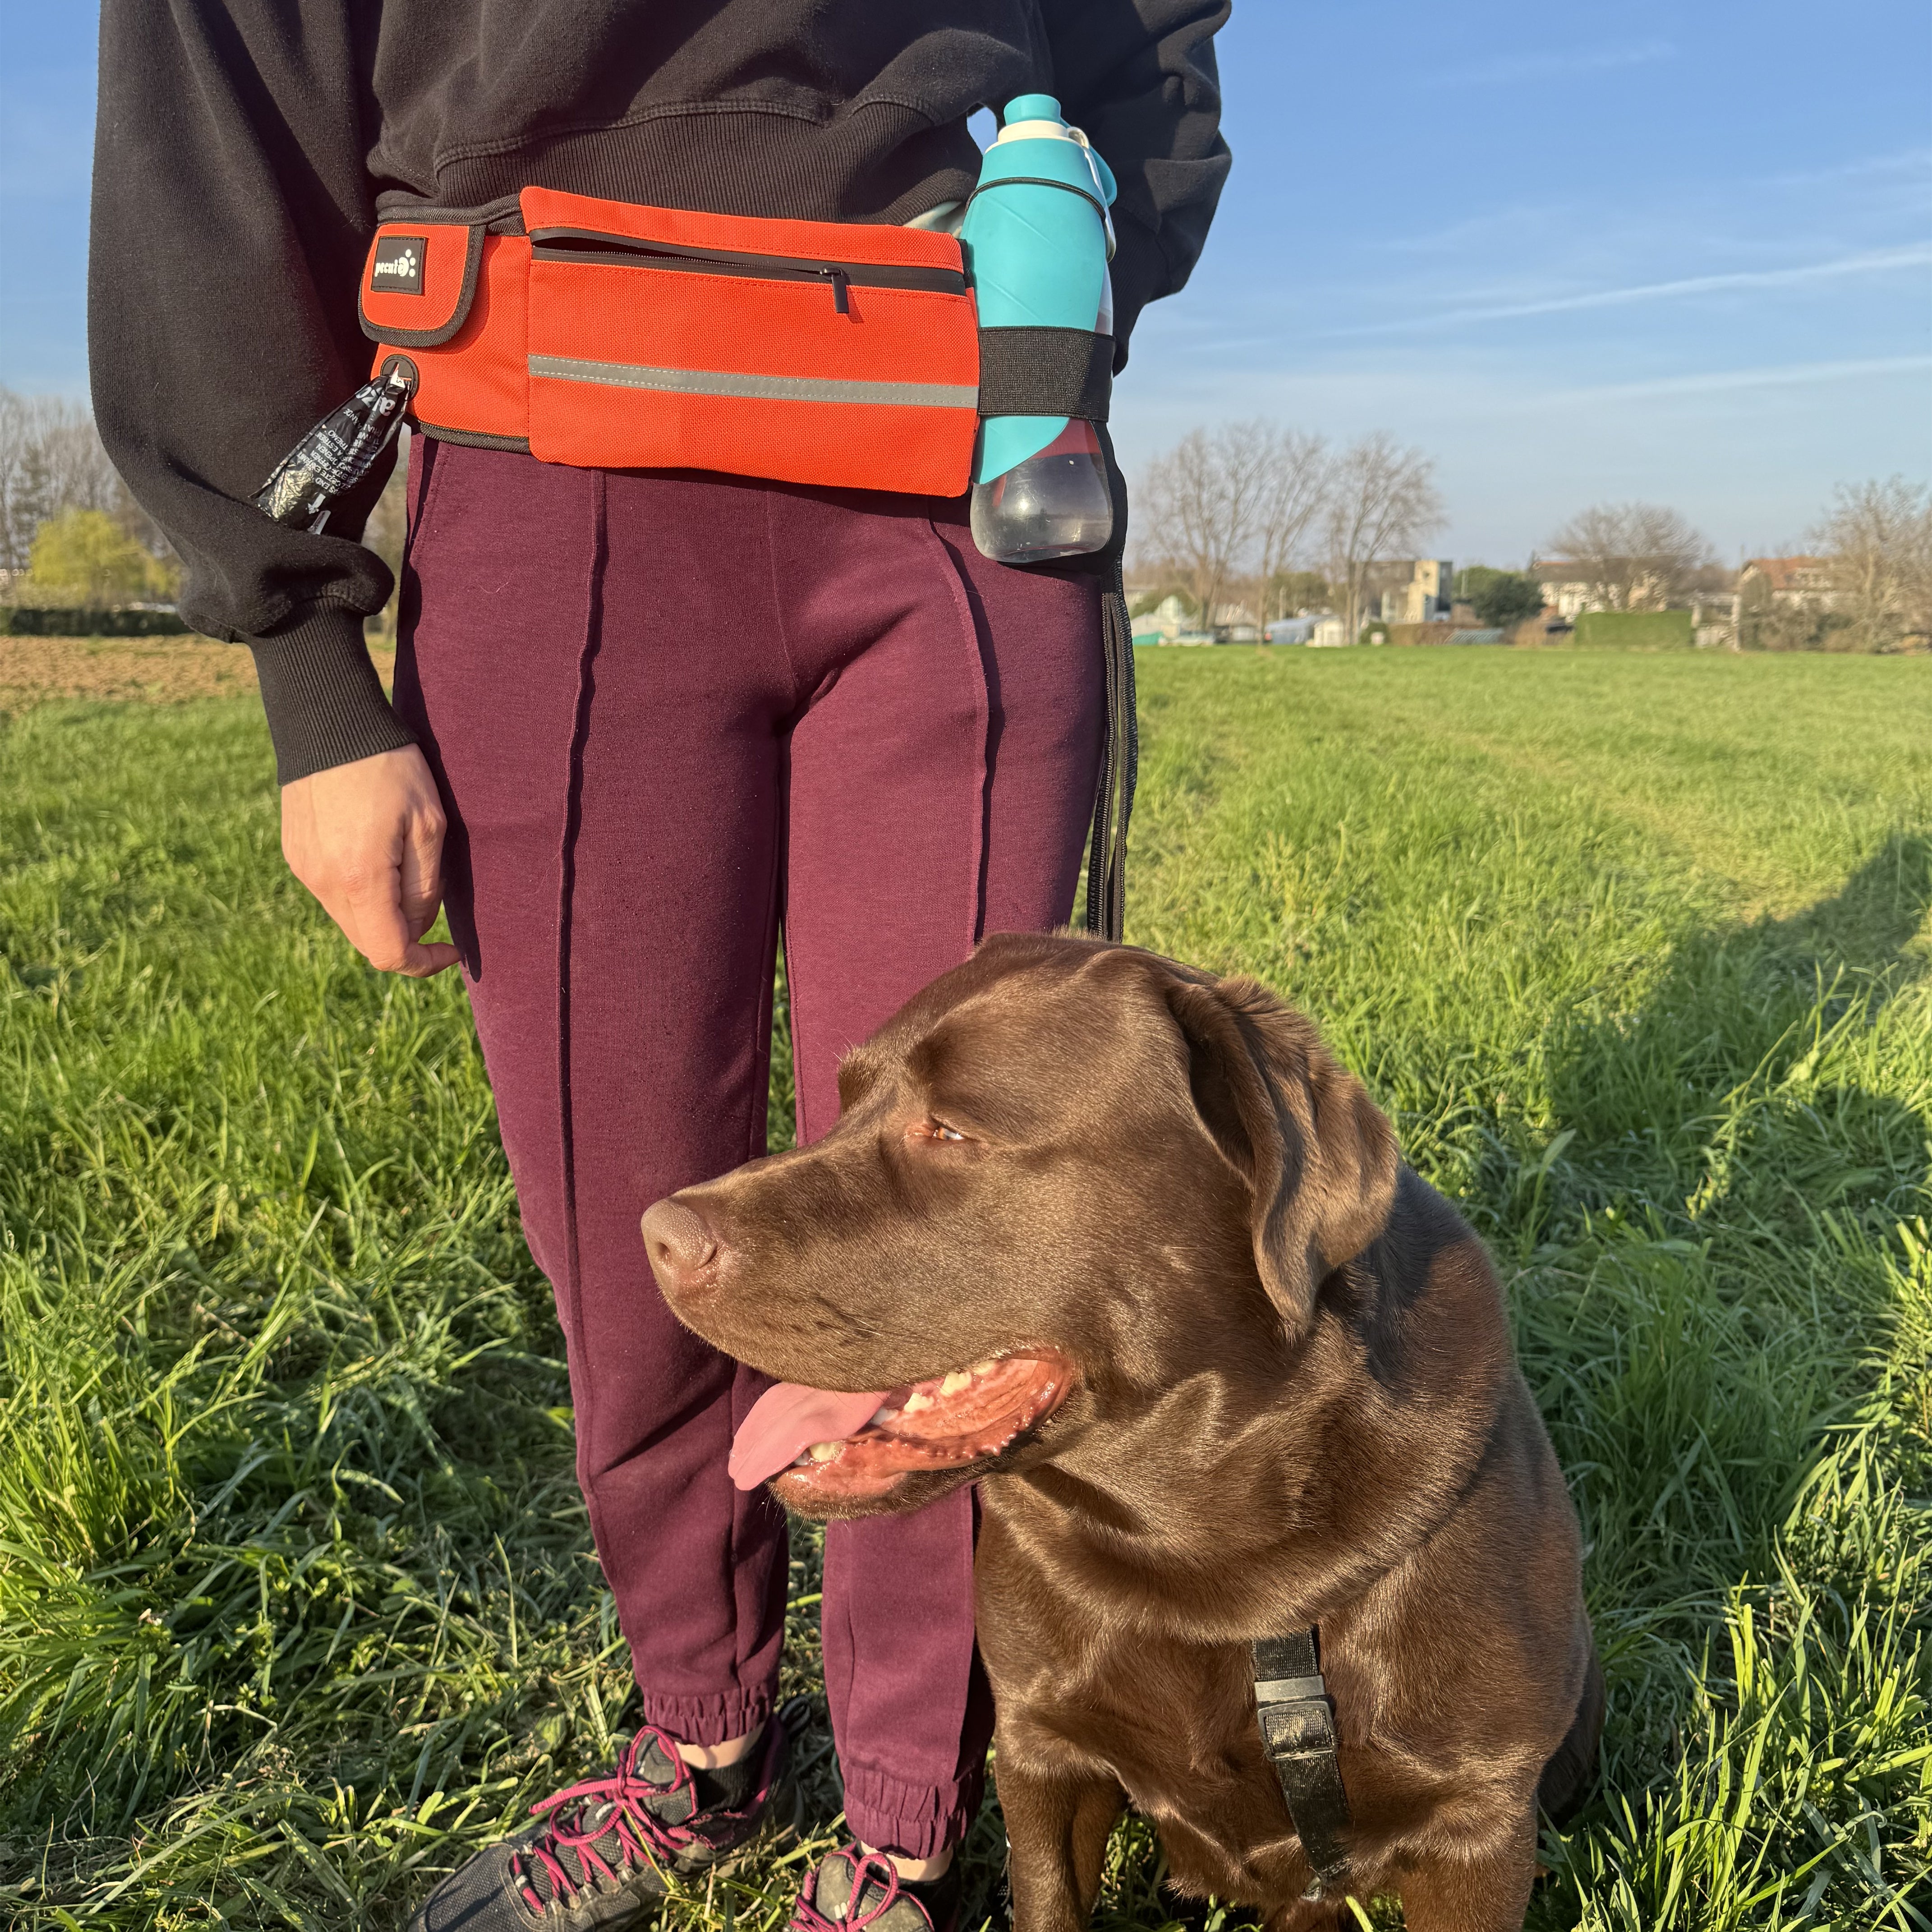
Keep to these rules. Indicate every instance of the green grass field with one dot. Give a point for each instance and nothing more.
(296, 1598)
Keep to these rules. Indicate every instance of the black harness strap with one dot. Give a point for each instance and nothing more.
(1297, 1722)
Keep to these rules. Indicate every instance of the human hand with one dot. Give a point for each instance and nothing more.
(366, 838)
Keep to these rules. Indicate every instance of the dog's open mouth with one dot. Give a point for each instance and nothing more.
(827, 1442)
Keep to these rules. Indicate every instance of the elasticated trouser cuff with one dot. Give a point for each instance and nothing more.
(910, 1819)
(325, 702)
(709, 1721)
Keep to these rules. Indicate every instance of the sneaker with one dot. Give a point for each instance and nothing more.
(601, 1854)
(887, 1902)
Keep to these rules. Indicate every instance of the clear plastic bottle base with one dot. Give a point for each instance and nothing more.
(1055, 504)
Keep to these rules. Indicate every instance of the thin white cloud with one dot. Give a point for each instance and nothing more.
(1883, 261)
(1444, 401)
(1473, 231)
(1864, 167)
(1521, 69)
(1790, 375)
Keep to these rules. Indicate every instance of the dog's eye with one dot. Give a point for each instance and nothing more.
(931, 1129)
(941, 1132)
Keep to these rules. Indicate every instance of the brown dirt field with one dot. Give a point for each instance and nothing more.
(150, 671)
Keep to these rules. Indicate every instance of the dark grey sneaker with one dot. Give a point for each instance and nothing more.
(884, 1903)
(600, 1853)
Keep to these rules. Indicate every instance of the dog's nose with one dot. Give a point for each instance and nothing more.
(677, 1241)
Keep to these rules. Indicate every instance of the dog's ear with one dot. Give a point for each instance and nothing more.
(1319, 1156)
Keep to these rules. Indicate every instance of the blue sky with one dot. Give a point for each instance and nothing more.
(1677, 252)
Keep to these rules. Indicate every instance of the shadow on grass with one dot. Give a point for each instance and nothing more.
(1715, 1257)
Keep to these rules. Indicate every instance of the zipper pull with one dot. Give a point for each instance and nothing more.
(838, 279)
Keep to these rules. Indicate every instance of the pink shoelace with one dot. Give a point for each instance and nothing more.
(641, 1835)
(806, 1917)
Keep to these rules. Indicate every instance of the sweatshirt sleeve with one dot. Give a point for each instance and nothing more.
(1139, 77)
(231, 214)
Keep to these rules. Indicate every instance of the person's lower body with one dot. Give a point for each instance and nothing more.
(673, 716)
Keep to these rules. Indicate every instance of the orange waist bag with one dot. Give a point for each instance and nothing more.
(620, 337)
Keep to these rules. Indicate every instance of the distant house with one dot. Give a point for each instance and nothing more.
(1566, 586)
(1162, 624)
(1235, 624)
(1567, 589)
(1328, 631)
(1796, 582)
(1427, 596)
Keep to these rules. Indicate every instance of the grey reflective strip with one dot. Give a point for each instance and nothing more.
(758, 388)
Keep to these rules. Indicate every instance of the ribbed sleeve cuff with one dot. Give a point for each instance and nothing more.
(325, 702)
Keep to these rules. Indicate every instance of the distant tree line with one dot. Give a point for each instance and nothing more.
(1253, 516)
(1875, 546)
(70, 532)
(1636, 557)
(1253, 513)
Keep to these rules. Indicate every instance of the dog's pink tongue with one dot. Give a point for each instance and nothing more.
(788, 1419)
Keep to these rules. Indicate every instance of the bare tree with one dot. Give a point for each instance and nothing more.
(1382, 502)
(51, 460)
(1634, 556)
(16, 521)
(1293, 493)
(1198, 506)
(1876, 539)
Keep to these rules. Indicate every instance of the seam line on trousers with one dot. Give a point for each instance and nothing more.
(573, 811)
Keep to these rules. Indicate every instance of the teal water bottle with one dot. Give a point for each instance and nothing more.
(1036, 239)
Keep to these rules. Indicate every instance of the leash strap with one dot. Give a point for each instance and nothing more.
(1297, 1724)
(1120, 743)
(1120, 761)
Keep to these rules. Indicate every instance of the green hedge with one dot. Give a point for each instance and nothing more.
(30, 621)
(1636, 630)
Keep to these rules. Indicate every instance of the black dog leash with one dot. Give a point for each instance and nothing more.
(1297, 1721)
(1121, 741)
(1120, 762)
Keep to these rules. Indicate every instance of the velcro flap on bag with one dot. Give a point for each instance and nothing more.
(1045, 372)
(419, 281)
(841, 354)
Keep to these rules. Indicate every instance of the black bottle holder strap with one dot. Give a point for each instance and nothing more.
(1045, 372)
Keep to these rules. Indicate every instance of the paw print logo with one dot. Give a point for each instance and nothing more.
(399, 264)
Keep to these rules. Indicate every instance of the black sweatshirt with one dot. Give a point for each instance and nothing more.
(246, 150)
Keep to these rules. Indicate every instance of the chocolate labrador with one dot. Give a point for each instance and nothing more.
(1122, 1243)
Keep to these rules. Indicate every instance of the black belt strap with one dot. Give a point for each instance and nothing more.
(1297, 1722)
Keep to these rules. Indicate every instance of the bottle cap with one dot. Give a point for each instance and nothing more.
(1031, 107)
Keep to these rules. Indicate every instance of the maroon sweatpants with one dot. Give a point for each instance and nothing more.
(670, 716)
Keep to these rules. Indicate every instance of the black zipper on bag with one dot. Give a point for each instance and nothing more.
(589, 245)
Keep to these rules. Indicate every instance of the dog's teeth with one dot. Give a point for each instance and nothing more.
(883, 1413)
(823, 1452)
(955, 1383)
(916, 1402)
(985, 1368)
